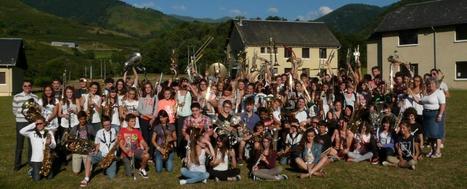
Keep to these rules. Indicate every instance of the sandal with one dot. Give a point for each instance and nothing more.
(83, 183)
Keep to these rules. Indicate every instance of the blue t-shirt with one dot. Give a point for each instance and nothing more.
(250, 121)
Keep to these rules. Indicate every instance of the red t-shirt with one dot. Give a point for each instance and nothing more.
(131, 138)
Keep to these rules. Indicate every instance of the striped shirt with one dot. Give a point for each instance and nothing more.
(18, 101)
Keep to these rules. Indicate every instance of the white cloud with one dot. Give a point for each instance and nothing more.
(273, 10)
(179, 7)
(314, 14)
(237, 12)
(324, 10)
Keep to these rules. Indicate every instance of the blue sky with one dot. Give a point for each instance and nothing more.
(301, 9)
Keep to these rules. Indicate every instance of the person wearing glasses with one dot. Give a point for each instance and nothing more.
(18, 101)
(39, 138)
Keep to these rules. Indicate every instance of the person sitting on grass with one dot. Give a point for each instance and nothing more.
(362, 150)
(311, 160)
(195, 170)
(406, 151)
(265, 167)
(384, 140)
(220, 165)
(292, 140)
(133, 147)
(39, 138)
(415, 129)
(105, 141)
(342, 138)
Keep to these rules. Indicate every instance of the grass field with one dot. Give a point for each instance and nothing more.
(448, 172)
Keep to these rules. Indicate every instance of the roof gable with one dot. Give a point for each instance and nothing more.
(309, 34)
(12, 53)
(425, 15)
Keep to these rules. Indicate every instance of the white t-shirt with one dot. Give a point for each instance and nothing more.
(131, 106)
(433, 101)
(37, 141)
(97, 100)
(301, 116)
(106, 140)
(74, 118)
(222, 166)
(410, 102)
(47, 112)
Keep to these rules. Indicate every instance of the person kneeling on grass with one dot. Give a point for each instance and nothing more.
(83, 131)
(311, 159)
(133, 147)
(195, 170)
(406, 151)
(105, 141)
(39, 138)
(220, 165)
(265, 167)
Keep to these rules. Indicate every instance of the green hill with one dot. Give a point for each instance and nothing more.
(38, 29)
(351, 18)
(112, 14)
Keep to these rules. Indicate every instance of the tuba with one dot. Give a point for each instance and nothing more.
(134, 60)
(31, 110)
(48, 158)
(110, 157)
(217, 69)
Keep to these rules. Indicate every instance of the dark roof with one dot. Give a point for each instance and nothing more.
(307, 34)
(425, 15)
(12, 53)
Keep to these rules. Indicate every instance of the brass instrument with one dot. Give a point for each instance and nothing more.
(167, 146)
(48, 158)
(191, 68)
(110, 157)
(218, 70)
(79, 146)
(174, 63)
(254, 67)
(31, 110)
(109, 106)
(90, 106)
(133, 61)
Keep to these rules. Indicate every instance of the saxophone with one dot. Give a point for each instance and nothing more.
(90, 107)
(79, 145)
(167, 146)
(48, 158)
(110, 157)
(109, 106)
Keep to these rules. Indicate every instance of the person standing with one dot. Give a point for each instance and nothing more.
(18, 101)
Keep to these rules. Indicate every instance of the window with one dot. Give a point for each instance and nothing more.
(287, 70)
(322, 53)
(306, 71)
(287, 52)
(305, 52)
(461, 70)
(408, 38)
(267, 50)
(414, 68)
(275, 71)
(461, 32)
(2, 78)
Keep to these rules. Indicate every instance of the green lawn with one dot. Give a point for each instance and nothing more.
(448, 172)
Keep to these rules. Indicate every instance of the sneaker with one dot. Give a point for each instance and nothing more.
(30, 172)
(386, 163)
(205, 181)
(284, 177)
(143, 173)
(83, 183)
(238, 177)
(435, 156)
(429, 154)
(182, 182)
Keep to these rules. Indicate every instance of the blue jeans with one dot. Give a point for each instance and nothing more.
(169, 165)
(193, 176)
(111, 170)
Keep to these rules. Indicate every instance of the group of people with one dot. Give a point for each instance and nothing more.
(216, 124)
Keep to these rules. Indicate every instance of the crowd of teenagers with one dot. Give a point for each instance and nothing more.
(214, 125)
